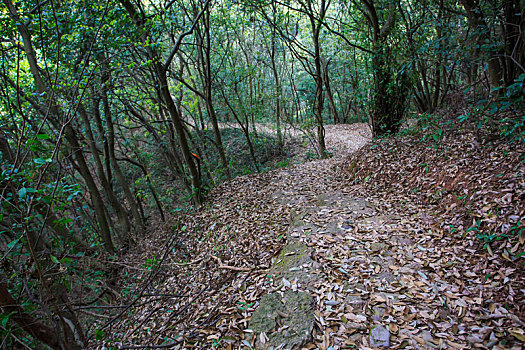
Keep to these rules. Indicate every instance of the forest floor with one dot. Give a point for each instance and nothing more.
(374, 247)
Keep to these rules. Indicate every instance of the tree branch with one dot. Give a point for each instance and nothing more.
(183, 35)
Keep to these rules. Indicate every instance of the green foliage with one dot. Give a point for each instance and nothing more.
(432, 127)
(311, 155)
(283, 163)
(391, 92)
(266, 149)
(152, 263)
(504, 114)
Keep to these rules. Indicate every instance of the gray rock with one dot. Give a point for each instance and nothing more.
(380, 337)
(294, 262)
(378, 313)
(356, 303)
(287, 323)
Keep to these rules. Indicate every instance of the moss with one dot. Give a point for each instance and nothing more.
(296, 313)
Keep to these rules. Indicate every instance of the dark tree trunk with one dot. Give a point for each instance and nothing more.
(163, 85)
(329, 94)
(132, 201)
(35, 327)
(390, 87)
(316, 25)
(204, 52)
(478, 24)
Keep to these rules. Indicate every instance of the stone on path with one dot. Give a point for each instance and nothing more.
(294, 264)
(379, 337)
(287, 322)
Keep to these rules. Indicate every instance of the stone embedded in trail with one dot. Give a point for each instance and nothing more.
(380, 337)
(378, 312)
(297, 218)
(287, 322)
(357, 303)
(294, 263)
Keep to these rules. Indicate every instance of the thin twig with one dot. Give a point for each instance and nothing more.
(228, 267)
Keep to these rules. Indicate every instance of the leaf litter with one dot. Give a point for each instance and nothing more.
(391, 226)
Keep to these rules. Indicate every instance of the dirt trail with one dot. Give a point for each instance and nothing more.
(358, 270)
(380, 278)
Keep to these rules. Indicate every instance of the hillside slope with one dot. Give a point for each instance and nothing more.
(396, 262)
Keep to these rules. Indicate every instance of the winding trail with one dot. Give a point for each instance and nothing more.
(373, 268)
(357, 270)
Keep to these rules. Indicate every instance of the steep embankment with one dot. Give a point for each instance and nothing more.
(364, 263)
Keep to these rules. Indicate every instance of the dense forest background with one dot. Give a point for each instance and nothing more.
(115, 116)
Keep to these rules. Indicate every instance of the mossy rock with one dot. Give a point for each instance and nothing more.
(287, 322)
(294, 262)
(297, 218)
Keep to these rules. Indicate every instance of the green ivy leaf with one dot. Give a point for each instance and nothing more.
(42, 161)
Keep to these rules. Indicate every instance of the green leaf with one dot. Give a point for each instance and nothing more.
(22, 193)
(99, 334)
(54, 259)
(43, 136)
(66, 261)
(4, 318)
(13, 243)
(42, 161)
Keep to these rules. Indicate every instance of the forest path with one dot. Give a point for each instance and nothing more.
(363, 272)
(358, 269)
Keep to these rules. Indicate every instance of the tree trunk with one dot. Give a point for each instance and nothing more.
(478, 24)
(69, 132)
(205, 57)
(326, 80)
(35, 327)
(318, 77)
(105, 180)
(278, 90)
(176, 118)
(132, 201)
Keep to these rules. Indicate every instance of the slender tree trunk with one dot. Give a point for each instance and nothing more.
(35, 327)
(278, 91)
(245, 129)
(111, 196)
(132, 201)
(168, 151)
(206, 64)
(478, 24)
(98, 203)
(319, 97)
(331, 101)
(183, 141)
(176, 118)
(122, 215)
